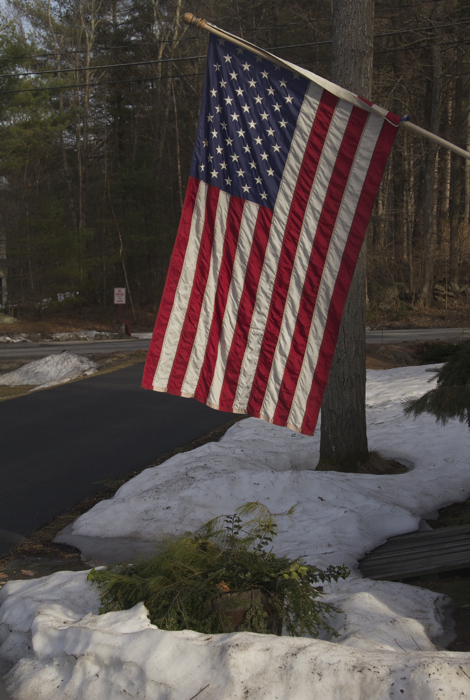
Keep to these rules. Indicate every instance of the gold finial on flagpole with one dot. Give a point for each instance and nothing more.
(189, 18)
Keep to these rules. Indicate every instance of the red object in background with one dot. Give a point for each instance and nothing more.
(120, 299)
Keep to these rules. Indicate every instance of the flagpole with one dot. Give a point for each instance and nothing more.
(437, 139)
(190, 19)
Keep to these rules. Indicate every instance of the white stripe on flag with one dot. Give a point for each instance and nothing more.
(307, 237)
(346, 213)
(273, 250)
(207, 310)
(245, 240)
(183, 293)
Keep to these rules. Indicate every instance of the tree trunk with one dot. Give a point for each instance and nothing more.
(409, 209)
(430, 180)
(466, 214)
(343, 424)
(456, 188)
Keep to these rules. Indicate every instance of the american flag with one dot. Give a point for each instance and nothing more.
(283, 178)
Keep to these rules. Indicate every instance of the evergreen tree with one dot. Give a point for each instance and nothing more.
(451, 397)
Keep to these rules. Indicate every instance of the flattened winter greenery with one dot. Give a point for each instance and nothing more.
(451, 397)
(197, 581)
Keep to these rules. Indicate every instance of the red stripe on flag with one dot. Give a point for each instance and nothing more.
(306, 177)
(344, 278)
(245, 313)
(326, 224)
(189, 329)
(391, 116)
(234, 218)
(171, 284)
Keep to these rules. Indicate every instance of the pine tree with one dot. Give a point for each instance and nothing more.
(451, 397)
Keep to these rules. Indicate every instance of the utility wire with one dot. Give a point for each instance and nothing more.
(404, 48)
(194, 58)
(197, 38)
(189, 75)
(148, 79)
(98, 67)
(104, 48)
(422, 29)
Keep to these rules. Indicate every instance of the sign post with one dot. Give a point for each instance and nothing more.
(119, 298)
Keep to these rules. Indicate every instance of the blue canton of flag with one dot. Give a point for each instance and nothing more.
(249, 111)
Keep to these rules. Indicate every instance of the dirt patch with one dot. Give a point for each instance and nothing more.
(403, 315)
(390, 355)
(12, 392)
(116, 360)
(450, 516)
(462, 629)
(85, 319)
(39, 556)
(455, 584)
(76, 318)
(376, 464)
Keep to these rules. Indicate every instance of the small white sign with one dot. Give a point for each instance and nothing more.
(119, 295)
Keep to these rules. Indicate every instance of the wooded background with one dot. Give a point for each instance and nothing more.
(96, 142)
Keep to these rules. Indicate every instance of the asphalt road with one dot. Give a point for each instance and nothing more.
(82, 347)
(399, 335)
(56, 444)
(88, 347)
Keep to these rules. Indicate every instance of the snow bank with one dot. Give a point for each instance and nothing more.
(14, 338)
(50, 370)
(339, 517)
(59, 648)
(84, 335)
(389, 633)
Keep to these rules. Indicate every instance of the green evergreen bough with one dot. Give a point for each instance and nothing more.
(451, 397)
(197, 580)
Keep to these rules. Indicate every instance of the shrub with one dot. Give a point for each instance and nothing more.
(196, 581)
(438, 352)
(451, 397)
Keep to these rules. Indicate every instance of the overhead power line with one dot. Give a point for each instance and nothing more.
(148, 79)
(194, 58)
(394, 50)
(98, 67)
(127, 47)
(189, 75)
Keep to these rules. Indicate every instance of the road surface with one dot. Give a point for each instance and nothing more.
(81, 347)
(400, 335)
(89, 347)
(56, 444)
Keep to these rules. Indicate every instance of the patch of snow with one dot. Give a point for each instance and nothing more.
(50, 370)
(66, 295)
(389, 633)
(142, 336)
(350, 514)
(14, 338)
(57, 647)
(82, 335)
(65, 336)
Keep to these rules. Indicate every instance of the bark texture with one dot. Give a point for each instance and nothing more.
(343, 424)
(430, 172)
